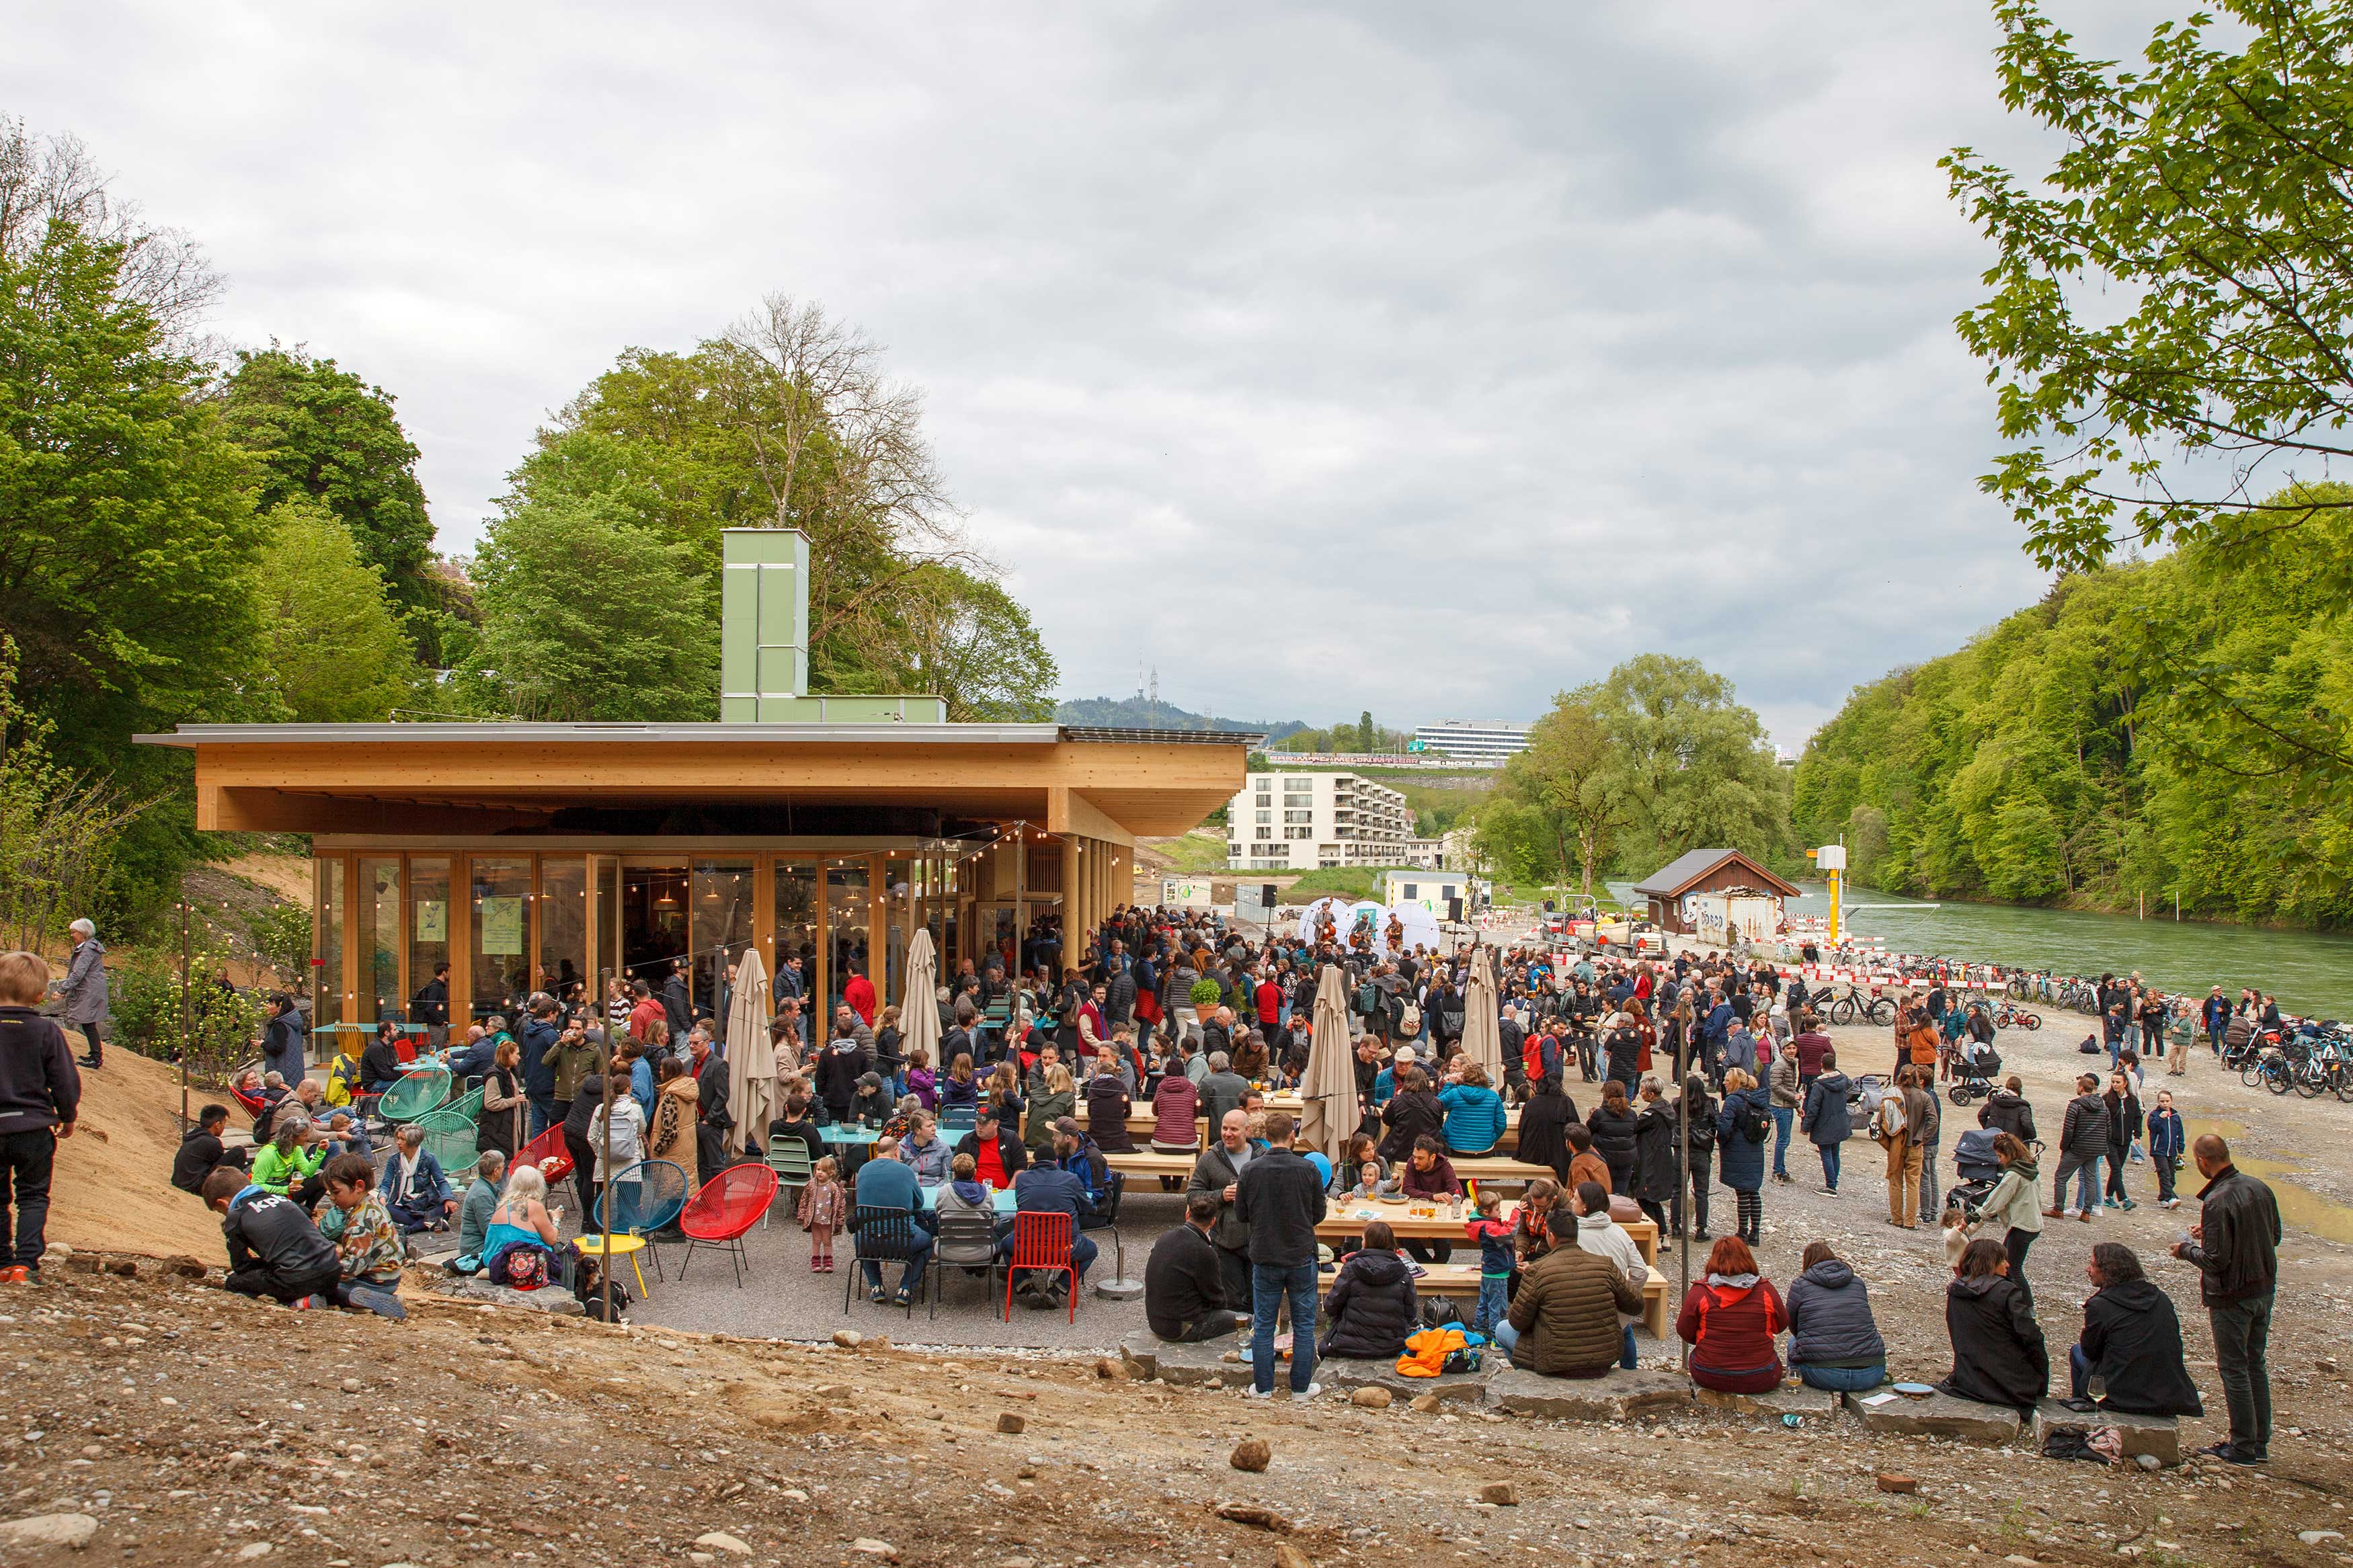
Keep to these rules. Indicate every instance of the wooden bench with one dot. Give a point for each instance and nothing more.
(1494, 1168)
(1144, 1163)
(1340, 1222)
(1461, 1280)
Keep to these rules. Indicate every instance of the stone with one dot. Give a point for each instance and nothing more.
(1110, 1369)
(1286, 1555)
(873, 1548)
(2149, 1462)
(1256, 1516)
(1806, 1403)
(2315, 1537)
(1903, 1486)
(1371, 1398)
(720, 1541)
(123, 1267)
(1937, 1416)
(81, 1263)
(1251, 1454)
(2327, 1363)
(848, 1339)
(1342, 1371)
(1183, 1366)
(68, 1529)
(1009, 1423)
(253, 1549)
(1502, 1494)
(1426, 1403)
(1614, 1396)
(2160, 1436)
(554, 1301)
(350, 1385)
(185, 1267)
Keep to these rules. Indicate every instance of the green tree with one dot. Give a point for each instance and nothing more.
(334, 651)
(128, 538)
(962, 637)
(1366, 734)
(2173, 297)
(589, 615)
(1552, 813)
(322, 433)
(1687, 766)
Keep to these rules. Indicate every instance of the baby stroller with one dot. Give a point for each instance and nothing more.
(1973, 1074)
(1974, 1163)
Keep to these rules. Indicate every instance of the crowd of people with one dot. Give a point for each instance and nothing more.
(1041, 1064)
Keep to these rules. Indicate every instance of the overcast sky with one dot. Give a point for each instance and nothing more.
(1421, 359)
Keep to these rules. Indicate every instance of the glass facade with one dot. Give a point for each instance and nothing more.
(429, 938)
(563, 908)
(500, 921)
(720, 896)
(379, 935)
(797, 918)
(846, 894)
(898, 907)
(327, 917)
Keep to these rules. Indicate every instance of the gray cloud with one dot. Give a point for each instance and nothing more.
(1327, 358)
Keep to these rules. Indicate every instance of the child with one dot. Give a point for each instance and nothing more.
(274, 1250)
(40, 1095)
(1494, 1237)
(871, 1106)
(820, 1213)
(2166, 1140)
(355, 1220)
(921, 1083)
(1956, 1237)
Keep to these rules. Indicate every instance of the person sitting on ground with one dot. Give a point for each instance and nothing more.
(1584, 1164)
(1834, 1341)
(884, 1182)
(201, 1151)
(1998, 1357)
(1372, 1309)
(521, 1247)
(995, 1150)
(1184, 1281)
(274, 1250)
(1564, 1318)
(1729, 1320)
(415, 1193)
(370, 1249)
(481, 1201)
(2131, 1342)
(1599, 1234)
(1049, 1189)
(289, 1163)
(1474, 1113)
(1175, 1105)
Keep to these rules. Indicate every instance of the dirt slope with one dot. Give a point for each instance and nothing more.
(113, 1187)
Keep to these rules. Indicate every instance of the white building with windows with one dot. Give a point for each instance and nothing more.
(1309, 822)
(1482, 741)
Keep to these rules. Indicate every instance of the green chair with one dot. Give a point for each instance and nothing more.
(788, 1156)
(415, 1094)
(449, 1138)
(467, 1105)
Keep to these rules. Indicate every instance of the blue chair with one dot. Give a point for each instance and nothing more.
(642, 1200)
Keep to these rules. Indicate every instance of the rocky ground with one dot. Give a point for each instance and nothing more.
(174, 1424)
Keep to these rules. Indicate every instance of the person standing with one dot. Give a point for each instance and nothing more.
(1788, 1096)
(83, 990)
(430, 1007)
(1743, 1126)
(1826, 1119)
(2166, 1144)
(1280, 1199)
(2082, 1144)
(40, 1094)
(2235, 1250)
(2124, 1130)
(711, 1120)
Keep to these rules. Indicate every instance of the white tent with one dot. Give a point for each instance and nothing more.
(750, 1055)
(1313, 916)
(1421, 926)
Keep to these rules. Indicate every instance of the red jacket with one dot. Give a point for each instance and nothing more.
(859, 992)
(1270, 1002)
(1731, 1328)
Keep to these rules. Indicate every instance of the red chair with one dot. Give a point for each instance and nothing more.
(548, 1152)
(728, 1205)
(1041, 1241)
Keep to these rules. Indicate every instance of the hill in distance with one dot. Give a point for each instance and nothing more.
(1137, 713)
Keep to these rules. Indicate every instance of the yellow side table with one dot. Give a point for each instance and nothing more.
(628, 1246)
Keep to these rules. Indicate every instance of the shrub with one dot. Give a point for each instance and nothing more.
(144, 996)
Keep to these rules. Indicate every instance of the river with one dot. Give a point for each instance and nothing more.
(2311, 972)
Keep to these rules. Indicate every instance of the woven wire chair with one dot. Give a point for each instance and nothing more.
(413, 1095)
(549, 1152)
(788, 1156)
(728, 1205)
(449, 1138)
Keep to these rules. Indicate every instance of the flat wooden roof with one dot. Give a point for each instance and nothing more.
(406, 779)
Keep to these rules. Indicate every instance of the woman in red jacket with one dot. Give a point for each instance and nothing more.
(1729, 1320)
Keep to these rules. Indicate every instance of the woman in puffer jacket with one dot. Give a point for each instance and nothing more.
(1373, 1306)
(1834, 1341)
(1614, 1127)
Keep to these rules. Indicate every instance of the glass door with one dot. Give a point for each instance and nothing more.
(604, 930)
(653, 923)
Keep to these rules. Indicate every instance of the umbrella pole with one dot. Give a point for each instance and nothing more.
(605, 1270)
(1683, 1116)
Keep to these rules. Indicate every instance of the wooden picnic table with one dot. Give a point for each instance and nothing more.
(1340, 1222)
(1144, 1163)
(1461, 1279)
(1140, 1120)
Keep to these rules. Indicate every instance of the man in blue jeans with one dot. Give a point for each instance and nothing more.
(1789, 1094)
(885, 1183)
(1280, 1199)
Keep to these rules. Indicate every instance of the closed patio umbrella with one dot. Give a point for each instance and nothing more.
(1330, 1087)
(1482, 1040)
(919, 1009)
(750, 1055)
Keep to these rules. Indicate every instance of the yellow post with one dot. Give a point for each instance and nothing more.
(1834, 909)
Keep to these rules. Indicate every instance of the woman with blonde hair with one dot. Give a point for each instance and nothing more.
(1058, 1098)
(1744, 1126)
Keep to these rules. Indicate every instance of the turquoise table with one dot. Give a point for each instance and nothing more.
(848, 1137)
(1004, 1199)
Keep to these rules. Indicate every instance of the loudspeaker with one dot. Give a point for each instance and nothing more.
(1455, 909)
(1266, 895)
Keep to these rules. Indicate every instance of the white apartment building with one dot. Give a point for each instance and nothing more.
(1309, 822)
(1485, 741)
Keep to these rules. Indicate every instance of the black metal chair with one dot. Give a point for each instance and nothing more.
(880, 1236)
(1105, 1216)
(964, 1241)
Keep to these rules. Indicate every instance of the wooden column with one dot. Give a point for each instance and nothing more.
(1068, 874)
(878, 929)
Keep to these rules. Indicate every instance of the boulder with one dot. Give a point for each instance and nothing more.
(2157, 1436)
(1009, 1423)
(1466, 1387)
(68, 1529)
(1371, 1398)
(1816, 1405)
(1502, 1494)
(1613, 1396)
(552, 1300)
(1937, 1416)
(1148, 1356)
(1251, 1454)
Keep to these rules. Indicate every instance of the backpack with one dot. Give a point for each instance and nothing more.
(1410, 1020)
(1755, 1125)
(1888, 1123)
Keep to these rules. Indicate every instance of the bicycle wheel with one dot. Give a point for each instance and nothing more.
(2306, 1081)
(2342, 1082)
(2276, 1075)
(1841, 1010)
(1883, 1011)
(2032, 1021)
(2251, 1071)
(2017, 990)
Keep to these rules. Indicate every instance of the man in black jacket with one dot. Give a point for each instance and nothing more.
(1281, 1198)
(1184, 1285)
(40, 1094)
(2235, 1248)
(2082, 1144)
(274, 1250)
(2131, 1340)
(201, 1151)
(713, 1121)
(2007, 1111)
